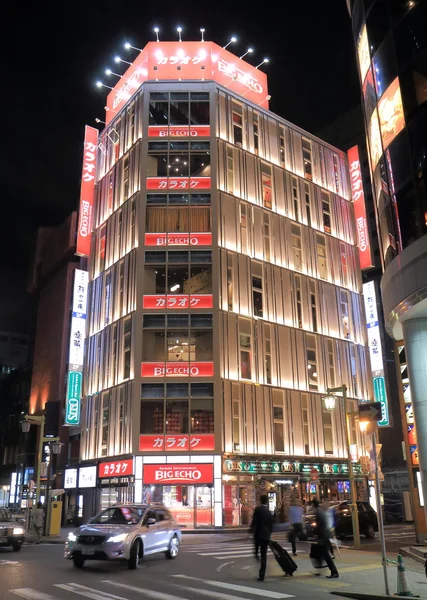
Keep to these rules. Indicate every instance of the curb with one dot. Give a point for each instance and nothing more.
(360, 595)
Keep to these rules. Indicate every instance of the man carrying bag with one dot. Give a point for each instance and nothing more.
(261, 528)
(322, 550)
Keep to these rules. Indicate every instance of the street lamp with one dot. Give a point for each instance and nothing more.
(329, 403)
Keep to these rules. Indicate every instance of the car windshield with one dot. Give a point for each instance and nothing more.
(123, 515)
(5, 515)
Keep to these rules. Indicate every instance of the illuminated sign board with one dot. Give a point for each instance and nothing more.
(189, 60)
(179, 131)
(87, 192)
(358, 197)
(176, 302)
(178, 183)
(116, 468)
(73, 398)
(178, 239)
(363, 53)
(375, 147)
(78, 319)
(87, 477)
(70, 479)
(177, 369)
(390, 112)
(375, 350)
(177, 443)
(192, 474)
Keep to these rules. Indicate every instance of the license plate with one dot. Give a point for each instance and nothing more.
(88, 551)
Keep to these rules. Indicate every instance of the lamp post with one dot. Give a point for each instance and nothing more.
(329, 402)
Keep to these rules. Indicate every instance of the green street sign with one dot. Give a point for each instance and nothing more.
(380, 395)
(74, 396)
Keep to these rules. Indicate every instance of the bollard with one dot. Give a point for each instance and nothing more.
(402, 581)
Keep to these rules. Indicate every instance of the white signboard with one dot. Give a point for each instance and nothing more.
(81, 279)
(78, 320)
(70, 479)
(87, 477)
(374, 338)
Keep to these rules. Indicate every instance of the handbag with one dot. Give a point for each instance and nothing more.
(317, 556)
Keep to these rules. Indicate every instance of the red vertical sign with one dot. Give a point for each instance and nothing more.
(87, 192)
(358, 198)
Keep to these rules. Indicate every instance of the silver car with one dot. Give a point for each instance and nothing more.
(125, 532)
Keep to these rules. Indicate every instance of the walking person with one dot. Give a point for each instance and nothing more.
(296, 514)
(261, 528)
(37, 517)
(324, 539)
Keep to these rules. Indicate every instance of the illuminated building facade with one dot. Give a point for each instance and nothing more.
(391, 47)
(225, 295)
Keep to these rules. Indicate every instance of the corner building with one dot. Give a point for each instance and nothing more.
(225, 296)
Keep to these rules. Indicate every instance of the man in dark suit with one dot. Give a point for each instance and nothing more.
(261, 528)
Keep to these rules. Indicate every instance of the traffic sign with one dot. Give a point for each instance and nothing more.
(370, 411)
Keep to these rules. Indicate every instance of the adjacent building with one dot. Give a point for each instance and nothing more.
(225, 297)
(391, 45)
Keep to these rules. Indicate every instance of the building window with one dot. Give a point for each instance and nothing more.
(132, 222)
(186, 272)
(296, 247)
(267, 189)
(343, 253)
(306, 154)
(126, 178)
(179, 159)
(295, 198)
(267, 240)
(345, 318)
(256, 134)
(257, 296)
(121, 285)
(101, 248)
(244, 209)
(235, 397)
(278, 421)
(322, 264)
(327, 431)
(237, 124)
(245, 345)
(326, 212)
(184, 340)
(267, 342)
(282, 146)
(353, 370)
(173, 219)
(119, 231)
(298, 300)
(313, 379)
(305, 423)
(230, 283)
(331, 363)
(127, 336)
(307, 203)
(107, 298)
(105, 421)
(230, 171)
(313, 304)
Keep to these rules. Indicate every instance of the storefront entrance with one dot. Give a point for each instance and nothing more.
(190, 505)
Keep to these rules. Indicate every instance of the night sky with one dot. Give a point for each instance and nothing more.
(55, 53)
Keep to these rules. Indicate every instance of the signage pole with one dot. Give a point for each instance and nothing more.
(353, 491)
(380, 514)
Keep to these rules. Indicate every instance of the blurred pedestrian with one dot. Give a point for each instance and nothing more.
(330, 524)
(261, 528)
(322, 532)
(37, 516)
(296, 514)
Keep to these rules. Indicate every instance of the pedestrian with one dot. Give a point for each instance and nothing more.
(296, 514)
(261, 528)
(323, 538)
(38, 522)
(330, 524)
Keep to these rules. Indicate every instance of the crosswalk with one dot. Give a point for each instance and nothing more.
(228, 550)
(177, 587)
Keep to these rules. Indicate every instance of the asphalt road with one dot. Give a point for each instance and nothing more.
(220, 567)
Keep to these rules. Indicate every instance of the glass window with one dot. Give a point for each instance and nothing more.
(326, 212)
(257, 296)
(152, 417)
(322, 263)
(201, 320)
(327, 431)
(307, 203)
(267, 187)
(313, 304)
(256, 134)
(202, 390)
(282, 146)
(153, 346)
(267, 348)
(155, 257)
(152, 390)
(313, 381)
(179, 109)
(177, 390)
(199, 111)
(267, 240)
(153, 320)
(202, 415)
(278, 423)
(244, 209)
(345, 313)
(305, 423)
(307, 158)
(200, 164)
(295, 198)
(176, 416)
(235, 397)
(245, 356)
(331, 363)
(298, 300)
(230, 170)
(127, 348)
(296, 247)
(125, 178)
(237, 118)
(158, 110)
(230, 283)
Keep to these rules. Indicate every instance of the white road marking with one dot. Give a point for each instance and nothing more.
(148, 593)
(238, 588)
(220, 568)
(31, 594)
(247, 551)
(9, 562)
(211, 593)
(82, 590)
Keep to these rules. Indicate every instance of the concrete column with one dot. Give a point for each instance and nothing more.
(415, 337)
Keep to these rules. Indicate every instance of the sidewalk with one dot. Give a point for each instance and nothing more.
(361, 574)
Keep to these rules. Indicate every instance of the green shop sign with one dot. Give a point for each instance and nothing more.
(269, 467)
(74, 396)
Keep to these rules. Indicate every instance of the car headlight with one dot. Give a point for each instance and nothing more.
(72, 537)
(18, 531)
(117, 538)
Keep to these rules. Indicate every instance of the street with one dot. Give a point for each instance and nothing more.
(213, 566)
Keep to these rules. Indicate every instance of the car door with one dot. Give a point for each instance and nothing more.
(149, 532)
(163, 530)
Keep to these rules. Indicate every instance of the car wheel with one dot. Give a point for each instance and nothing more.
(173, 548)
(79, 562)
(135, 554)
(369, 531)
(16, 547)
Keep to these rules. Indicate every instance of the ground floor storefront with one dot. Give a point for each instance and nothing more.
(204, 491)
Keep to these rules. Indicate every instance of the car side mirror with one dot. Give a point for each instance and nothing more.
(151, 521)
